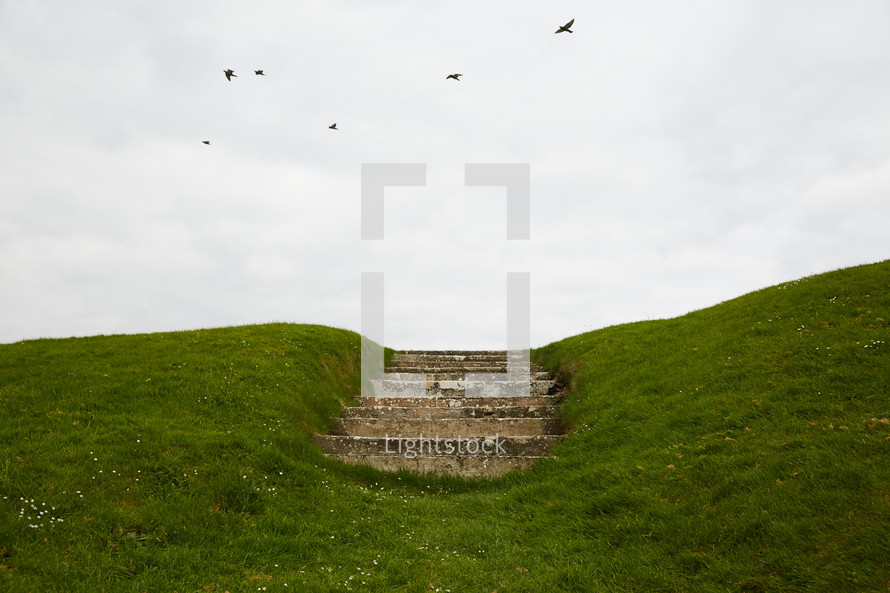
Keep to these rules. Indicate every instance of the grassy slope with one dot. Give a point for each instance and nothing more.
(728, 449)
(735, 445)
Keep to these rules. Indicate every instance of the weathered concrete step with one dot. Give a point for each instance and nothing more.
(425, 415)
(401, 375)
(457, 365)
(422, 445)
(460, 412)
(445, 428)
(458, 361)
(468, 467)
(434, 401)
(453, 357)
(464, 370)
(441, 375)
(497, 353)
(461, 388)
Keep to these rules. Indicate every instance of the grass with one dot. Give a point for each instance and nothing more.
(743, 447)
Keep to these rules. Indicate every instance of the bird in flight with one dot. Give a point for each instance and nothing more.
(333, 126)
(229, 74)
(565, 27)
(206, 141)
(454, 76)
(258, 72)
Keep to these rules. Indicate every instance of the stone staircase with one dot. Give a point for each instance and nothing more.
(467, 417)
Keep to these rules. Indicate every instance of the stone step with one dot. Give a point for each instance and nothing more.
(437, 353)
(454, 375)
(461, 388)
(435, 401)
(459, 412)
(476, 360)
(445, 428)
(424, 446)
(457, 361)
(452, 412)
(461, 371)
(468, 467)
(430, 358)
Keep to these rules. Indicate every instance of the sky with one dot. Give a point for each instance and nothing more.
(680, 154)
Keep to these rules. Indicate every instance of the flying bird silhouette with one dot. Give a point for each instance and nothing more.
(454, 76)
(333, 126)
(258, 72)
(206, 141)
(565, 27)
(229, 74)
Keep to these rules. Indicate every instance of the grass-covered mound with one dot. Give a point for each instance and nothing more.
(126, 455)
(742, 447)
(739, 448)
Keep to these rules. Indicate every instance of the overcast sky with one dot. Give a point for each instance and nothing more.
(681, 154)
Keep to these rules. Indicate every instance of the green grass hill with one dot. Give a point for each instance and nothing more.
(743, 447)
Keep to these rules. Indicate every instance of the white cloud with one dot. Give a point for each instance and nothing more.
(681, 154)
